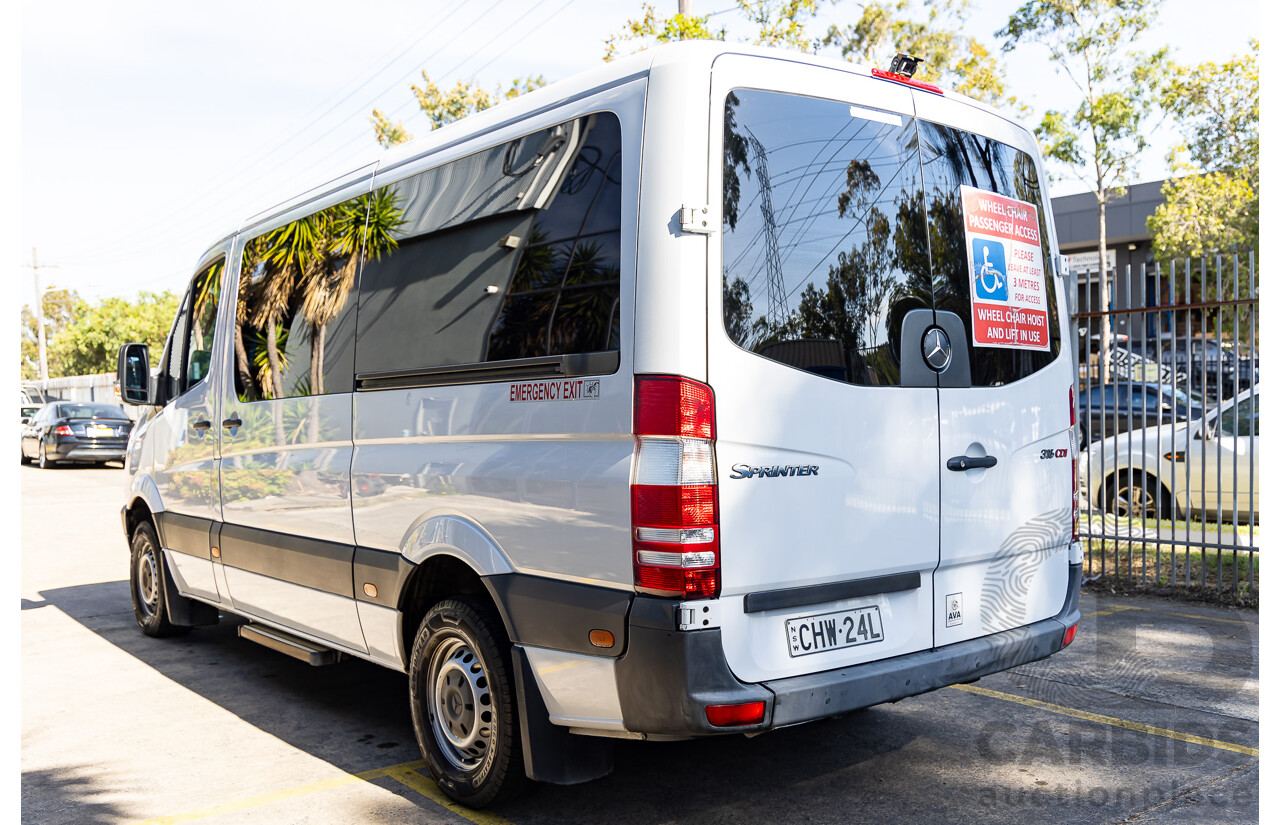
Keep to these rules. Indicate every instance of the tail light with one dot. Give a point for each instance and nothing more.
(1070, 635)
(63, 429)
(675, 533)
(1075, 467)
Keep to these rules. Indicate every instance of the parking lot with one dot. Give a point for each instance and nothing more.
(1150, 716)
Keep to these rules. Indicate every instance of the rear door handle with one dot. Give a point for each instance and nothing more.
(967, 462)
(201, 424)
(231, 423)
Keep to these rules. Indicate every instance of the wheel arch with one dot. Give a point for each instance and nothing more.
(441, 574)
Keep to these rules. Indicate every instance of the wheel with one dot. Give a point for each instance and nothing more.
(1136, 494)
(146, 583)
(22, 456)
(46, 463)
(463, 702)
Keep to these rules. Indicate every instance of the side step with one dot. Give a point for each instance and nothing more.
(289, 645)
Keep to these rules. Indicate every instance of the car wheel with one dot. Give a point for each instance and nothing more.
(146, 583)
(22, 456)
(1135, 494)
(46, 463)
(463, 702)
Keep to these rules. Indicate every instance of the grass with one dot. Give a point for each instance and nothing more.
(1122, 566)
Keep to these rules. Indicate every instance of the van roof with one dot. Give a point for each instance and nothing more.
(692, 56)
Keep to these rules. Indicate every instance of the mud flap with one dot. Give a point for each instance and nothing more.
(182, 611)
(551, 753)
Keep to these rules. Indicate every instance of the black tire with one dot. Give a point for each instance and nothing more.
(463, 702)
(46, 463)
(23, 456)
(146, 584)
(1136, 494)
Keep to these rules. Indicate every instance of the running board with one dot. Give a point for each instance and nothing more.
(289, 645)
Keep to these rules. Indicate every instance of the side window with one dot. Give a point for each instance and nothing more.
(1241, 420)
(511, 252)
(204, 313)
(294, 326)
(173, 355)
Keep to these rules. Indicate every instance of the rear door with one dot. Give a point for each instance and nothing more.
(1004, 527)
(827, 457)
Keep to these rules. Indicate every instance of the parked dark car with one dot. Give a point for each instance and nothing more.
(1117, 408)
(75, 431)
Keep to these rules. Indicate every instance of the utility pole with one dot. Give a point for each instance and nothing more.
(686, 8)
(35, 274)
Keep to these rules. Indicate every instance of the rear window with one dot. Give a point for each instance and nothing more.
(840, 219)
(90, 411)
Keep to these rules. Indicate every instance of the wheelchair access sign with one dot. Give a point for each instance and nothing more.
(1006, 271)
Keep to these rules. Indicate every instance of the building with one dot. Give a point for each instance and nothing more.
(1128, 247)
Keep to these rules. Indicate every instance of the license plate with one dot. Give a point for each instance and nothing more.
(833, 631)
(99, 432)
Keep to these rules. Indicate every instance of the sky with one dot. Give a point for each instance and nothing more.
(148, 129)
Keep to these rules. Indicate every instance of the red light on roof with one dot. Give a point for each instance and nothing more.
(906, 81)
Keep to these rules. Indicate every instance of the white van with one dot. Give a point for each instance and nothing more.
(716, 390)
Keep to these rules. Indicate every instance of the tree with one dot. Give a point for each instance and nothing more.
(442, 107)
(933, 31)
(1211, 204)
(1101, 140)
(90, 342)
(776, 23)
(59, 311)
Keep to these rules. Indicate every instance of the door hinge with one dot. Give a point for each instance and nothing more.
(697, 219)
(702, 615)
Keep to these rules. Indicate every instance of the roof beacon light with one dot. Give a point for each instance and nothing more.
(904, 64)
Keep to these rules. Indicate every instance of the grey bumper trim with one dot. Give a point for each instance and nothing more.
(814, 696)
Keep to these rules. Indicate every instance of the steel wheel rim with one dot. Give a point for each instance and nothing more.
(148, 585)
(460, 705)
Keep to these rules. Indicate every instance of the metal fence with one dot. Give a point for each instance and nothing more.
(1167, 413)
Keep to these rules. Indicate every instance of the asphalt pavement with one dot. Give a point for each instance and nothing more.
(1150, 716)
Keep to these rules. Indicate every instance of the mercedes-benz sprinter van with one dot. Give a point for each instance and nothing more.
(716, 390)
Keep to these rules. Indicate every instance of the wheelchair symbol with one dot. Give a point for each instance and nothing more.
(989, 277)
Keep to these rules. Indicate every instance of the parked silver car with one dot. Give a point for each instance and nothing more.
(1208, 466)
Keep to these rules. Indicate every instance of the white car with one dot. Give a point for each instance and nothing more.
(1208, 466)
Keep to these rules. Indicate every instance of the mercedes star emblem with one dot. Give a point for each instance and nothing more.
(937, 349)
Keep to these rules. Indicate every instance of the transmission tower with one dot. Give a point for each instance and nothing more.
(775, 291)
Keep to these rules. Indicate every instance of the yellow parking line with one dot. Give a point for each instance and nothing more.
(1108, 720)
(394, 771)
(1108, 611)
(416, 781)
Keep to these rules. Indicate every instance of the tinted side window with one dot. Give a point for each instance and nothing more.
(294, 330)
(824, 246)
(204, 291)
(951, 159)
(508, 253)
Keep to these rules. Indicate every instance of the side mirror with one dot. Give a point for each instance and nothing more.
(26, 419)
(133, 371)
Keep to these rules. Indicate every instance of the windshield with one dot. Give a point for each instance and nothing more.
(90, 411)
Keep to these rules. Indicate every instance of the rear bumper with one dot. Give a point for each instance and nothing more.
(667, 678)
(84, 452)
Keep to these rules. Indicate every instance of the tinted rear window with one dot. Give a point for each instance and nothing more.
(840, 219)
(90, 411)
